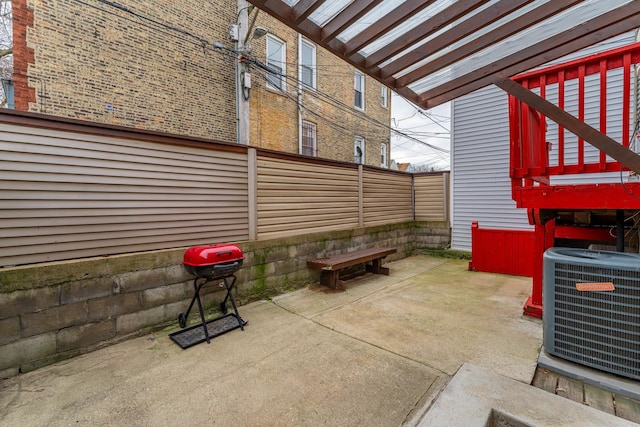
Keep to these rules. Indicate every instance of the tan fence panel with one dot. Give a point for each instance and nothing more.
(299, 197)
(387, 197)
(431, 197)
(67, 195)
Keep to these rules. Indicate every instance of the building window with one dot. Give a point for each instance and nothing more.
(358, 150)
(383, 155)
(276, 62)
(308, 64)
(309, 147)
(385, 96)
(7, 86)
(359, 90)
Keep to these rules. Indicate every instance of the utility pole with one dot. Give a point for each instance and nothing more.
(243, 79)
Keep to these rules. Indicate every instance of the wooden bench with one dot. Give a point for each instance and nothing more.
(332, 265)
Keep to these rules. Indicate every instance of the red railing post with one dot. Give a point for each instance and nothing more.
(544, 239)
(474, 244)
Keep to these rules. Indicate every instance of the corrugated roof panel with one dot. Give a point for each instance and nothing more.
(466, 40)
(470, 43)
(531, 36)
(369, 19)
(328, 11)
(406, 26)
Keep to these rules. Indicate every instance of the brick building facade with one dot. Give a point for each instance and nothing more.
(327, 105)
(152, 65)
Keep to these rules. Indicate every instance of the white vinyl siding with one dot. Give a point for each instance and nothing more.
(480, 166)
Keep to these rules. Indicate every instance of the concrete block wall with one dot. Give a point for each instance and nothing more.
(432, 235)
(53, 311)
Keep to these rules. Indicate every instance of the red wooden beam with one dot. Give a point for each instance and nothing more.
(599, 234)
(585, 196)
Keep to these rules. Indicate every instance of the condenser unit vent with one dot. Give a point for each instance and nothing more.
(591, 309)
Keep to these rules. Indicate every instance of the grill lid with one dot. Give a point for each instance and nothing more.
(221, 253)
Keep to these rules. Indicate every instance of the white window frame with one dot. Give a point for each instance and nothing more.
(314, 138)
(383, 155)
(384, 93)
(277, 59)
(312, 67)
(358, 80)
(358, 157)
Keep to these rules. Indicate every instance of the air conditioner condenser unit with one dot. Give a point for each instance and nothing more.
(591, 312)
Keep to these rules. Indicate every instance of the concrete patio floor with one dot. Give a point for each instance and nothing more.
(376, 354)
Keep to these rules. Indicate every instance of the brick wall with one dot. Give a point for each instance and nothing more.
(274, 115)
(337, 130)
(23, 55)
(54, 311)
(95, 62)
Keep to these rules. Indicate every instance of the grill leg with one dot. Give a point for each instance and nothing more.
(204, 322)
(195, 295)
(233, 301)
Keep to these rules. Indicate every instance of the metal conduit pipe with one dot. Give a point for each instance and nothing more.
(620, 230)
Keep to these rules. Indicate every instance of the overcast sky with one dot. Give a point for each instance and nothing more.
(424, 127)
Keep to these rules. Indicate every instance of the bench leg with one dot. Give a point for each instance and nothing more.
(331, 279)
(377, 268)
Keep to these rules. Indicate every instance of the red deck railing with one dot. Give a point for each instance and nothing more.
(542, 150)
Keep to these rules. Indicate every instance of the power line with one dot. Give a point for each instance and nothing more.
(199, 41)
(338, 103)
(125, 9)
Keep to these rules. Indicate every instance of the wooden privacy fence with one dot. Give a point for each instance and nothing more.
(70, 190)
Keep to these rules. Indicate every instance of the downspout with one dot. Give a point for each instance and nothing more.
(299, 97)
(235, 71)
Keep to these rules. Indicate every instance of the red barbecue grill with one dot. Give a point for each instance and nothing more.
(210, 263)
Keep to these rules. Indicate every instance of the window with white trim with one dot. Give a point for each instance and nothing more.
(276, 62)
(384, 93)
(308, 63)
(383, 155)
(359, 90)
(358, 150)
(309, 139)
